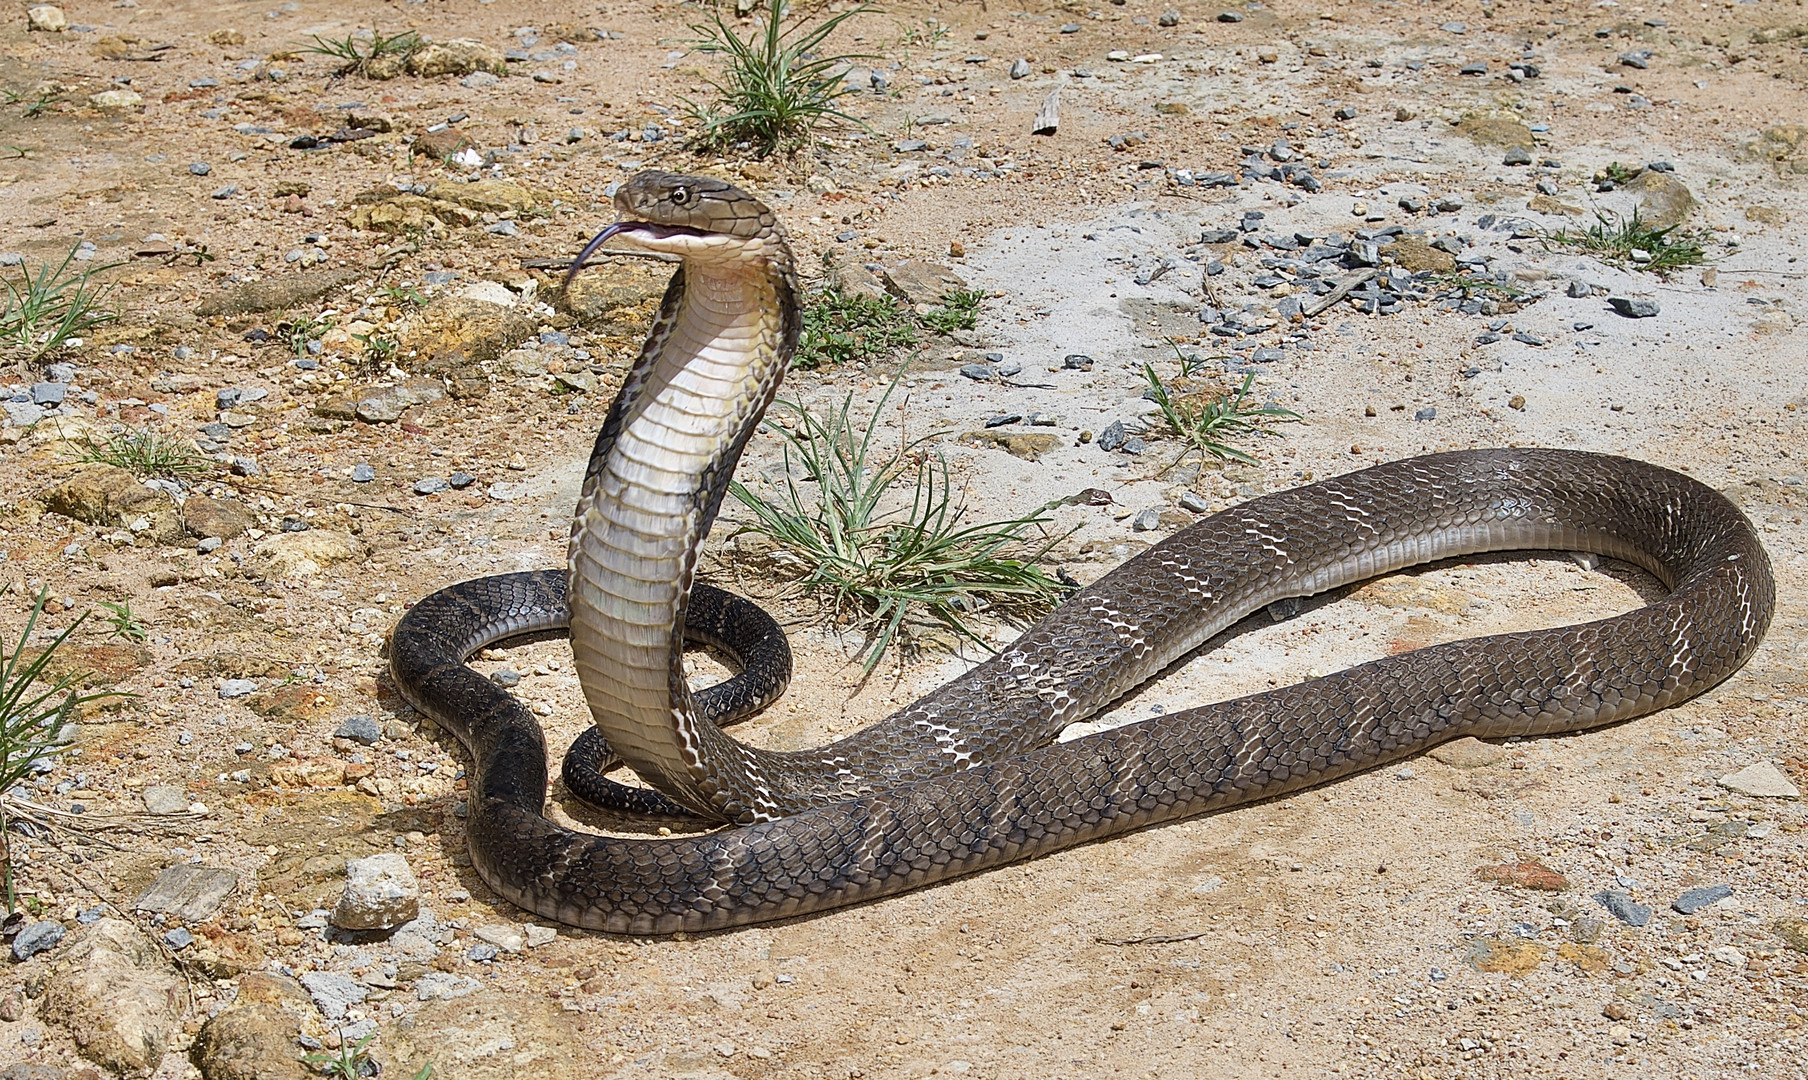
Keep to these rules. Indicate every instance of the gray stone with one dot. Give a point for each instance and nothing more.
(1169, 17)
(479, 80)
(23, 413)
(1020, 69)
(237, 688)
(1763, 780)
(360, 728)
(977, 372)
(25, 1070)
(199, 168)
(192, 894)
(165, 799)
(1586, 929)
(1193, 501)
(441, 986)
(1517, 155)
(1112, 437)
(179, 938)
(1622, 907)
(363, 474)
(381, 893)
(1632, 308)
(333, 994)
(36, 938)
(1695, 899)
(431, 485)
(1578, 289)
(1146, 521)
(48, 393)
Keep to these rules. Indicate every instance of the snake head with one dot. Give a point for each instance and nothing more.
(697, 218)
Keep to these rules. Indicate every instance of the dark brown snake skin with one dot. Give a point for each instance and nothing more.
(967, 777)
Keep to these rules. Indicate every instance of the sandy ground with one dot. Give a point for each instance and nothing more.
(1341, 932)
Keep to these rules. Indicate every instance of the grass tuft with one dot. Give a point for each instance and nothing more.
(360, 51)
(1208, 426)
(777, 88)
(845, 531)
(34, 710)
(959, 311)
(42, 311)
(146, 453)
(1632, 242)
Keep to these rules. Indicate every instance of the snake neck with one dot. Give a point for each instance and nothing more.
(709, 369)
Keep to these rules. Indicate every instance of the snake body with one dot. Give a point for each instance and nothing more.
(969, 777)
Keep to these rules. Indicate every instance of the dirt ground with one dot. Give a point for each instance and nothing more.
(251, 197)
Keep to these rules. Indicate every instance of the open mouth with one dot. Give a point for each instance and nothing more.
(649, 229)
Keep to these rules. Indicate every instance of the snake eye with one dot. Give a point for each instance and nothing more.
(680, 196)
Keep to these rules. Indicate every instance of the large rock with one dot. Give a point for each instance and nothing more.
(118, 997)
(916, 282)
(495, 196)
(458, 333)
(109, 496)
(1496, 128)
(458, 56)
(254, 1037)
(274, 294)
(622, 290)
(1667, 201)
(381, 893)
(303, 554)
(205, 516)
(491, 1036)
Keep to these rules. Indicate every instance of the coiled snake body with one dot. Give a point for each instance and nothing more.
(969, 777)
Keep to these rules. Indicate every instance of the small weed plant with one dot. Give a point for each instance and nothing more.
(362, 51)
(846, 328)
(1632, 242)
(778, 86)
(44, 310)
(124, 623)
(959, 311)
(1209, 426)
(352, 1061)
(884, 536)
(146, 453)
(34, 710)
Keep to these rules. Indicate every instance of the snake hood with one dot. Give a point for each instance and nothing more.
(696, 218)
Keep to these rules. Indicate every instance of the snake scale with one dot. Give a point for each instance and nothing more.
(970, 776)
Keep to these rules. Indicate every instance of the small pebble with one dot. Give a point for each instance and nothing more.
(1578, 289)
(200, 168)
(1001, 421)
(1230, 16)
(1622, 907)
(1194, 502)
(1146, 520)
(1169, 17)
(1633, 308)
(1695, 899)
(505, 677)
(361, 728)
(179, 938)
(237, 688)
(1076, 362)
(363, 474)
(482, 952)
(431, 485)
(1020, 69)
(977, 372)
(36, 938)
(1517, 155)
(1113, 436)
(460, 481)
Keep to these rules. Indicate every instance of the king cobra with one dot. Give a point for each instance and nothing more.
(971, 776)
